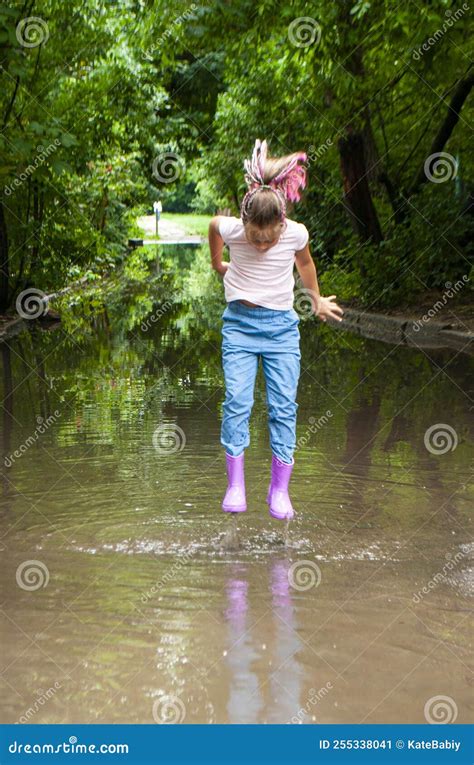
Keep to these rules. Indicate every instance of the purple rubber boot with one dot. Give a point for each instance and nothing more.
(278, 499)
(234, 500)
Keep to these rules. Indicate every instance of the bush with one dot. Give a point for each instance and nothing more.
(433, 247)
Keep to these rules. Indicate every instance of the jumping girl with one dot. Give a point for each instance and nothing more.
(260, 321)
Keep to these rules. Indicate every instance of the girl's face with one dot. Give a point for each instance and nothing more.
(263, 238)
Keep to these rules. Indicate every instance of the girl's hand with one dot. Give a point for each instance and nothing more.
(327, 309)
(222, 269)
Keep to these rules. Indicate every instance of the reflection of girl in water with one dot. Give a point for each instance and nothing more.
(260, 322)
(265, 678)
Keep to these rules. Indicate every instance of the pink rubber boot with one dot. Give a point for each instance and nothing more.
(234, 500)
(278, 499)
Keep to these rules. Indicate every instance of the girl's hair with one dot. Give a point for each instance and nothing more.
(271, 182)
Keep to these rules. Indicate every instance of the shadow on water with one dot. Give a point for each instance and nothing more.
(135, 599)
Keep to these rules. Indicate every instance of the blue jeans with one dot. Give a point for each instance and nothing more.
(247, 335)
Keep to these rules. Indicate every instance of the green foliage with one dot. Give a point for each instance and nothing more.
(179, 199)
(79, 113)
(341, 280)
(111, 87)
(434, 248)
(362, 72)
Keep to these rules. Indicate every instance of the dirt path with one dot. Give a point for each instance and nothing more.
(168, 231)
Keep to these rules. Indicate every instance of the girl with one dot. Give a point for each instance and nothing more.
(259, 320)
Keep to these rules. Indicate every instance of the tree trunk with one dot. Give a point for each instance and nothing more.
(393, 194)
(24, 251)
(371, 153)
(358, 152)
(356, 188)
(7, 422)
(4, 261)
(103, 205)
(449, 123)
(35, 247)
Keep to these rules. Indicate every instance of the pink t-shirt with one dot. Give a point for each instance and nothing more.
(263, 278)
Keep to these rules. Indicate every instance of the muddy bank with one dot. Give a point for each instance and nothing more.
(418, 331)
(33, 308)
(10, 326)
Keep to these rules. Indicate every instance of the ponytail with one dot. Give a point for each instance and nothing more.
(267, 177)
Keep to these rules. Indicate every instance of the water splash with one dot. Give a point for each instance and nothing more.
(230, 541)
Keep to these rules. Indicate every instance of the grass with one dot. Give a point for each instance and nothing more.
(190, 222)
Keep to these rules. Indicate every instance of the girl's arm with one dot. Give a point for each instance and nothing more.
(216, 245)
(323, 307)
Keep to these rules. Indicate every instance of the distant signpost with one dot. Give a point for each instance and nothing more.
(157, 209)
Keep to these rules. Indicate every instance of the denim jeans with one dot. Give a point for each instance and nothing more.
(249, 334)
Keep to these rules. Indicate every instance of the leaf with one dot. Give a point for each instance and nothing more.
(17, 69)
(59, 166)
(68, 140)
(37, 128)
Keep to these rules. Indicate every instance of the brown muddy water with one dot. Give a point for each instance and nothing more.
(129, 597)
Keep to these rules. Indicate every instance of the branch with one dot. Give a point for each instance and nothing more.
(12, 101)
(447, 126)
